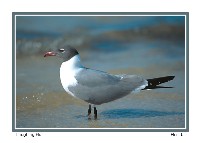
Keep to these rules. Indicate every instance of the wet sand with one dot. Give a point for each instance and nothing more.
(144, 110)
(41, 102)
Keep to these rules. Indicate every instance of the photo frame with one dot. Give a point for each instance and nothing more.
(22, 89)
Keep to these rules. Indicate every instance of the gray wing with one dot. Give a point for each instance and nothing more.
(133, 82)
(92, 78)
(98, 87)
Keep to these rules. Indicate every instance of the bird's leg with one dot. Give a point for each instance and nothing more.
(95, 113)
(89, 111)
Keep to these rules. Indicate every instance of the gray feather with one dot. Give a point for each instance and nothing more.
(99, 87)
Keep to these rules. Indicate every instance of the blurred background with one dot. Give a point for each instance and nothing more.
(150, 46)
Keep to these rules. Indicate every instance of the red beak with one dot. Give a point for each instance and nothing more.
(49, 54)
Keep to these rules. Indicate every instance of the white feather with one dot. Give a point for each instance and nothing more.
(68, 71)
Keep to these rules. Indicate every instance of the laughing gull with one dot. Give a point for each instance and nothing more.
(98, 87)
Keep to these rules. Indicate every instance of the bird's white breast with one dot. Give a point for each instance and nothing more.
(68, 71)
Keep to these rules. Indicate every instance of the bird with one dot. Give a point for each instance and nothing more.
(97, 87)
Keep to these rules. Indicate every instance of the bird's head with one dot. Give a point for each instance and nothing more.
(66, 53)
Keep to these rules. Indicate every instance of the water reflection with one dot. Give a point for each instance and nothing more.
(135, 113)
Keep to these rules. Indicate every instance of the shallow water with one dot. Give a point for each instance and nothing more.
(41, 102)
(140, 111)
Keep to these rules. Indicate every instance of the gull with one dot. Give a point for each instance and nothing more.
(97, 87)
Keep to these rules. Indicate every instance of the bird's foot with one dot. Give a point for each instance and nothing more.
(89, 112)
(95, 113)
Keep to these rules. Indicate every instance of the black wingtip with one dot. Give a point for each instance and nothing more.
(153, 83)
(163, 87)
(168, 78)
(171, 77)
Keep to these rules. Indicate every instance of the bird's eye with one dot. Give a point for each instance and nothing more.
(61, 50)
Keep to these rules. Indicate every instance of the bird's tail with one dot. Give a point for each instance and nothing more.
(155, 82)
